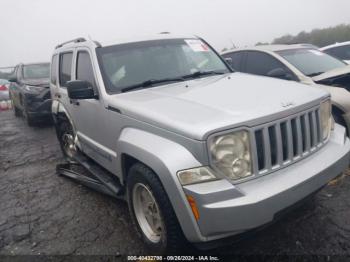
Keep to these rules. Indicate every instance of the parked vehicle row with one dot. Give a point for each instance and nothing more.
(199, 152)
(30, 93)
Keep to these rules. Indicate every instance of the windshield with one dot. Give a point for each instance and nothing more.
(130, 64)
(311, 62)
(36, 71)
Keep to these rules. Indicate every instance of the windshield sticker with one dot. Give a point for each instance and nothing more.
(197, 45)
(316, 52)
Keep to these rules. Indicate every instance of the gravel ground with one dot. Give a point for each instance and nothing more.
(42, 213)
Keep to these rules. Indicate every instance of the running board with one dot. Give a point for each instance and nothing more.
(90, 174)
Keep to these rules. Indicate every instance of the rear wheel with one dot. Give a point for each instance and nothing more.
(65, 135)
(16, 111)
(152, 212)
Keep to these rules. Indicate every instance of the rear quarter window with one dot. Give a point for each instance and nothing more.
(65, 72)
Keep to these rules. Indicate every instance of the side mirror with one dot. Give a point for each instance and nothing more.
(229, 61)
(280, 73)
(12, 79)
(78, 89)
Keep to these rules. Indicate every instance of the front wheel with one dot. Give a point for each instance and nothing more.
(152, 212)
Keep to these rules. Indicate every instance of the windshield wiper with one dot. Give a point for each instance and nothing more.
(202, 73)
(151, 82)
(315, 74)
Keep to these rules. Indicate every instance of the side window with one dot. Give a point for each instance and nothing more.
(84, 70)
(65, 73)
(259, 63)
(341, 52)
(54, 70)
(237, 58)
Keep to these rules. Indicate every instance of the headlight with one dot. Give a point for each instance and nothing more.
(231, 154)
(195, 175)
(33, 88)
(326, 118)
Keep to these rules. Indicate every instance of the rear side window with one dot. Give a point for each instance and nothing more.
(259, 63)
(84, 70)
(53, 72)
(65, 68)
(341, 52)
(237, 58)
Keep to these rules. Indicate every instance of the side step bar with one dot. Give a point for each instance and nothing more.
(90, 174)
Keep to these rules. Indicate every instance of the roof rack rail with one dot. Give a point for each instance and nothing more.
(76, 40)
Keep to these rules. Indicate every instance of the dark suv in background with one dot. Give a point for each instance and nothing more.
(30, 93)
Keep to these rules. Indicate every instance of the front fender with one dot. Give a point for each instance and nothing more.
(165, 158)
(340, 97)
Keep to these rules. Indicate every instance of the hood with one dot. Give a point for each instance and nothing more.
(43, 82)
(332, 73)
(200, 107)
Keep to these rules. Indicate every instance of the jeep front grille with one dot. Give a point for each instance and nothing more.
(287, 140)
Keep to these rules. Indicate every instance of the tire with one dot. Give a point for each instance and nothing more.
(16, 111)
(171, 239)
(30, 120)
(65, 134)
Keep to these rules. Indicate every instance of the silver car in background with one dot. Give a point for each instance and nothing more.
(4, 90)
(301, 63)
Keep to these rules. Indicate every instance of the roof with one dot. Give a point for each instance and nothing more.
(335, 45)
(89, 42)
(38, 63)
(273, 48)
(159, 36)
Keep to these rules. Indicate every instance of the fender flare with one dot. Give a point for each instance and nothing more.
(165, 158)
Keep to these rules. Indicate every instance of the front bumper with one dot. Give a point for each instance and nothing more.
(38, 105)
(227, 209)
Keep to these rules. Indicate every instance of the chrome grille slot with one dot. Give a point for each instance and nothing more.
(260, 149)
(285, 141)
(273, 145)
(295, 136)
(284, 138)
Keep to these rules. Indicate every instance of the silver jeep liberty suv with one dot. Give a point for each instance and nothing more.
(199, 152)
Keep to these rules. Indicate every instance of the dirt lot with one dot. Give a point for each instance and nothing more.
(42, 213)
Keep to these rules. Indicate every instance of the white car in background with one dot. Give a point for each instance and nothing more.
(339, 50)
(303, 63)
(4, 90)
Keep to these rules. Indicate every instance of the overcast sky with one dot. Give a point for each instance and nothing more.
(31, 28)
